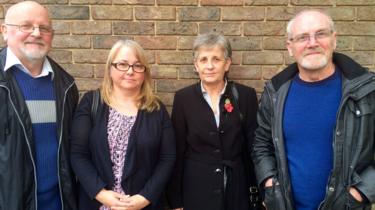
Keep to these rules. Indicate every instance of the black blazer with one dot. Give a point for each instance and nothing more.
(203, 150)
(148, 163)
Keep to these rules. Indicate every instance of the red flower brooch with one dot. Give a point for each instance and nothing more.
(228, 105)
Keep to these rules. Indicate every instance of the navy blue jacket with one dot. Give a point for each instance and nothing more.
(148, 163)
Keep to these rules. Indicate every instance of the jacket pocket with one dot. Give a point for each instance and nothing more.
(273, 198)
(353, 204)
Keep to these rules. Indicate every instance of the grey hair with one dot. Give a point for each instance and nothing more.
(212, 40)
(291, 22)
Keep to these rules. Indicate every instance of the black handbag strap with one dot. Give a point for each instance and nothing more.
(94, 105)
(253, 189)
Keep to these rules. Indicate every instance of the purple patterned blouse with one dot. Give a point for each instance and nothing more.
(119, 127)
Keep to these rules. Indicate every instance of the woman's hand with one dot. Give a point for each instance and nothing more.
(111, 199)
(135, 202)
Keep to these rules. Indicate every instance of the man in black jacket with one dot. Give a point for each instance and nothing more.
(315, 144)
(38, 99)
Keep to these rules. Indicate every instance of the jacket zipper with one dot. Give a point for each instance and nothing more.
(60, 139)
(28, 145)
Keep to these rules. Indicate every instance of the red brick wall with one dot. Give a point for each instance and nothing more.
(86, 29)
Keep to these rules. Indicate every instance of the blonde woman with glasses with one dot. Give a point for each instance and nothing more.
(123, 151)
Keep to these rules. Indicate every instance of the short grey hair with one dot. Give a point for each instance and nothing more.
(291, 22)
(211, 40)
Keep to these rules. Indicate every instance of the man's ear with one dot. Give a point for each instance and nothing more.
(289, 47)
(4, 32)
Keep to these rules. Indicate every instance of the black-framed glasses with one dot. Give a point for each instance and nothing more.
(318, 36)
(125, 67)
(27, 28)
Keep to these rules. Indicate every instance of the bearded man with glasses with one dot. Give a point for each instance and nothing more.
(38, 99)
(315, 144)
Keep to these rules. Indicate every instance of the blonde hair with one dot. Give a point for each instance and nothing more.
(146, 100)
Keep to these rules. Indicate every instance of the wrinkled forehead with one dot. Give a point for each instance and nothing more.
(310, 22)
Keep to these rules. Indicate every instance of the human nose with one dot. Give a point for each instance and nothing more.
(210, 64)
(312, 41)
(36, 31)
(130, 70)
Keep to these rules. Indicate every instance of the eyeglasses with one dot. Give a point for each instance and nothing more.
(27, 28)
(125, 67)
(318, 36)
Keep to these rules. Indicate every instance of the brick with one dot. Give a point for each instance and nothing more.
(269, 71)
(90, 56)
(274, 43)
(226, 28)
(158, 43)
(69, 12)
(166, 98)
(1, 12)
(364, 43)
(345, 43)
(362, 57)
(170, 86)
(150, 56)
(366, 13)
(85, 84)
(91, 2)
(133, 28)
(355, 28)
(106, 42)
(174, 28)
(71, 41)
(312, 2)
(99, 70)
(236, 58)
(356, 2)
(245, 43)
(257, 84)
(269, 28)
(282, 13)
(245, 72)
(135, 2)
(174, 57)
(2, 2)
(52, 1)
(199, 14)
(187, 72)
(79, 70)
(164, 72)
(61, 27)
(185, 42)
(91, 27)
(155, 13)
(61, 56)
(341, 13)
(243, 13)
(264, 57)
(177, 2)
(266, 2)
(112, 13)
(222, 2)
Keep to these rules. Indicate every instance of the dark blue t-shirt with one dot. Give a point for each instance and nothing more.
(308, 123)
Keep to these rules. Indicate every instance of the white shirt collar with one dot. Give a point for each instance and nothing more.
(222, 91)
(12, 60)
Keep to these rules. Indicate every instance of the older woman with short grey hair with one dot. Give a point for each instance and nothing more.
(213, 133)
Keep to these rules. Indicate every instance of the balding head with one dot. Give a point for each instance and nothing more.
(23, 7)
(309, 12)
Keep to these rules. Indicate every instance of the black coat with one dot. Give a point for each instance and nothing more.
(203, 150)
(353, 140)
(149, 158)
(17, 146)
